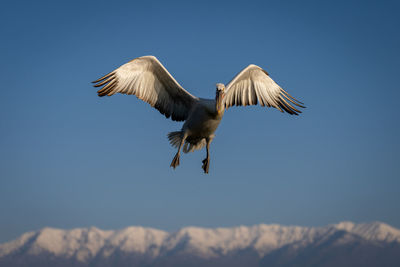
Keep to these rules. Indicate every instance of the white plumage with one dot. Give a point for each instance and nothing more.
(253, 85)
(150, 81)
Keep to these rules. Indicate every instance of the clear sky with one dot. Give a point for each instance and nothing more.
(71, 159)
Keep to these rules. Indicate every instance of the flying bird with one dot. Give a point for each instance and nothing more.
(147, 79)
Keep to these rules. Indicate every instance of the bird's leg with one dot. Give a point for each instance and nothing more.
(175, 161)
(206, 161)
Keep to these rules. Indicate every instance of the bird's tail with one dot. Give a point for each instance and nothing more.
(189, 146)
(175, 138)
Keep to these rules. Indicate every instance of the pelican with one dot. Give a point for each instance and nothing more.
(147, 79)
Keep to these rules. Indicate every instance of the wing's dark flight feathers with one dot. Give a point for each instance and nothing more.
(104, 77)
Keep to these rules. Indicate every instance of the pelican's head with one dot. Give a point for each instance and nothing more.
(219, 96)
(220, 87)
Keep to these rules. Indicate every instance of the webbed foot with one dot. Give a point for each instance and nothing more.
(175, 161)
(206, 164)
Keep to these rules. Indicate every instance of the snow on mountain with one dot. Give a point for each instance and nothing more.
(84, 244)
(371, 231)
(81, 243)
(138, 239)
(10, 247)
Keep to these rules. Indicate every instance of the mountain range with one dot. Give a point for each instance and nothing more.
(342, 244)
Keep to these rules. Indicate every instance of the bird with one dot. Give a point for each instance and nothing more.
(147, 79)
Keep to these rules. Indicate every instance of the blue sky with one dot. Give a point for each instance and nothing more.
(71, 159)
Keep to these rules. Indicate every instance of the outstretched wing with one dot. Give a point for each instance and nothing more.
(253, 85)
(147, 79)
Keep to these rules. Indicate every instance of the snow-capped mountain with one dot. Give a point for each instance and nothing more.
(260, 245)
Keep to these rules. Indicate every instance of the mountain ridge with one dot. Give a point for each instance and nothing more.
(149, 245)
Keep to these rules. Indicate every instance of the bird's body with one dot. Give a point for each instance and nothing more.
(203, 119)
(147, 78)
(198, 130)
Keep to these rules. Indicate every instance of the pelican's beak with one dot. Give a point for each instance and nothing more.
(219, 102)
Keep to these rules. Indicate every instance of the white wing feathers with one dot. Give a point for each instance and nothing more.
(147, 79)
(253, 85)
